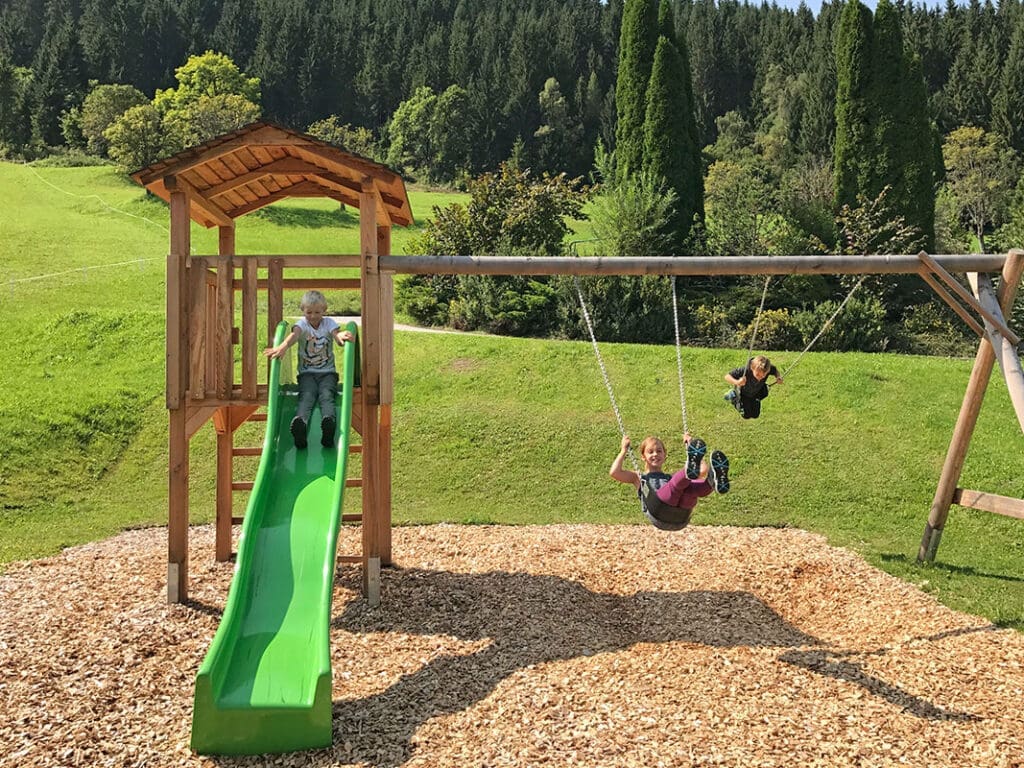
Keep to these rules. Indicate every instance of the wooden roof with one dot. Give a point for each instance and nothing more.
(261, 163)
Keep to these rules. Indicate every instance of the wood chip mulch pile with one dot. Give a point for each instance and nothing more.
(531, 646)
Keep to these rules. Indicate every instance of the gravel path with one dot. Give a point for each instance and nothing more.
(532, 646)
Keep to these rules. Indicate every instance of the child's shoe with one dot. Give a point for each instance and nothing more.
(327, 432)
(720, 471)
(298, 429)
(733, 397)
(694, 453)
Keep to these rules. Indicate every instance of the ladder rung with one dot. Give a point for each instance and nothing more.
(350, 559)
(355, 448)
(247, 486)
(352, 518)
(253, 451)
(354, 482)
(236, 520)
(260, 416)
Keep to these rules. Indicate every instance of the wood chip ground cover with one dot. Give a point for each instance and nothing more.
(531, 646)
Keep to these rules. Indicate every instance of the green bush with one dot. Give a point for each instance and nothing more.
(860, 326)
(776, 329)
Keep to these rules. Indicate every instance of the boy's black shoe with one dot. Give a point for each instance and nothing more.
(327, 432)
(720, 470)
(694, 453)
(298, 430)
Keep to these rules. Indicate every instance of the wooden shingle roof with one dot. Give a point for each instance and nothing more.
(261, 163)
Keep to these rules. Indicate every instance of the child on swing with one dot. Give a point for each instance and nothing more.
(667, 500)
(749, 385)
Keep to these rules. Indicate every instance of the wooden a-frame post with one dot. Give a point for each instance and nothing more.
(947, 492)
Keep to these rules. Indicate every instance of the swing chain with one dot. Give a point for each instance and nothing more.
(826, 326)
(757, 318)
(604, 372)
(679, 356)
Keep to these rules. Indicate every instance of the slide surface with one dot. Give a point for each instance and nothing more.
(265, 684)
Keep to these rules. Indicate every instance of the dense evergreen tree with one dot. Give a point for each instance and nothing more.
(854, 143)
(670, 149)
(903, 154)
(1008, 105)
(637, 42)
(58, 81)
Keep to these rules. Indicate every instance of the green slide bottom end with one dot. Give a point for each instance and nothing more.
(251, 730)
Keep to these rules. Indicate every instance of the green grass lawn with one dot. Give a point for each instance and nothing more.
(486, 430)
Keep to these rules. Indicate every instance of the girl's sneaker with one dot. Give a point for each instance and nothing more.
(720, 471)
(694, 453)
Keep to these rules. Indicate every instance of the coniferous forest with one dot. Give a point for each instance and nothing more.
(733, 127)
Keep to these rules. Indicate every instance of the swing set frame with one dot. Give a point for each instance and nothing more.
(997, 341)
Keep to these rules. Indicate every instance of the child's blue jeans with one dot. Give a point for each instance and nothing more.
(314, 387)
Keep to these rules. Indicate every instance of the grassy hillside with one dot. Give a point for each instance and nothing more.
(485, 429)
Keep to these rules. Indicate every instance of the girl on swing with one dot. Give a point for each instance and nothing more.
(667, 500)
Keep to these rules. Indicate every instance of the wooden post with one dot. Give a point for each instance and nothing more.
(1003, 345)
(275, 297)
(370, 377)
(177, 378)
(197, 328)
(225, 375)
(225, 477)
(387, 390)
(249, 344)
(968, 418)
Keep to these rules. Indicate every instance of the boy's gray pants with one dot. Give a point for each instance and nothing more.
(313, 387)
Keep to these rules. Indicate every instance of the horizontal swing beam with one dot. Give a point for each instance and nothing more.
(683, 265)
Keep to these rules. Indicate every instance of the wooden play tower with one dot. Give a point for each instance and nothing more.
(214, 184)
(259, 164)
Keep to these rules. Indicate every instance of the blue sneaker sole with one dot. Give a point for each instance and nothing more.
(720, 464)
(694, 453)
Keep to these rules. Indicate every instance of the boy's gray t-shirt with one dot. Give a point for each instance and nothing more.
(316, 346)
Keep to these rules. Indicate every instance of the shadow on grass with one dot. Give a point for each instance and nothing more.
(556, 619)
(957, 570)
(308, 218)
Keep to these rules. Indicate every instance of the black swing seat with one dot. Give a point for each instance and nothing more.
(662, 515)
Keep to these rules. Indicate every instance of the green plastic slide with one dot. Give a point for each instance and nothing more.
(265, 684)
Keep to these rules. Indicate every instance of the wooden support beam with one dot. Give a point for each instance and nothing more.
(197, 416)
(967, 298)
(216, 214)
(292, 261)
(968, 417)
(1003, 346)
(268, 136)
(177, 377)
(228, 418)
(955, 305)
(387, 375)
(370, 381)
(225, 500)
(295, 283)
(990, 502)
(682, 265)
(285, 166)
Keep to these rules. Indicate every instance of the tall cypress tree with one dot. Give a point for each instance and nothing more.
(670, 152)
(854, 145)
(637, 42)
(902, 158)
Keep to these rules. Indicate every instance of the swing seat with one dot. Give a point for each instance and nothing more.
(662, 515)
